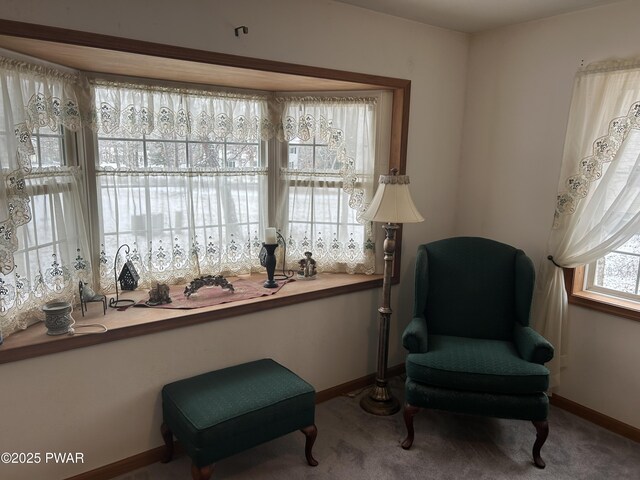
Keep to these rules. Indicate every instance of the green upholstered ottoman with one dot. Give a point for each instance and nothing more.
(220, 413)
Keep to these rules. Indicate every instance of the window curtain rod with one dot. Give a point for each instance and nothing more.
(610, 65)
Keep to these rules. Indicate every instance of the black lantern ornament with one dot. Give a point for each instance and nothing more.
(128, 279)
(128, 276)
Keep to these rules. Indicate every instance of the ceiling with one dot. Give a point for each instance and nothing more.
(474, 16)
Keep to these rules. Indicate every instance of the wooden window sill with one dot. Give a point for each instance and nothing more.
(574, 281)
(133, 322)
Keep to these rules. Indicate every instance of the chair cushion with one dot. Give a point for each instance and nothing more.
(476, 365)
(534, 406)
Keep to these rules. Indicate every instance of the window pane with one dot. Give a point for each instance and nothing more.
(124, 205)
(326, 159)
(121, 154)
(206, 155)
(300, 204)
(166, 155)
(40, 230)
(242, 156)
(618, 272)
(326, 201)
(301, 157)
(51, 152)
(632, 245)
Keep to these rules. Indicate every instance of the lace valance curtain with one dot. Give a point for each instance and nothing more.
(126, 109)
(598, 204)
(328, 180)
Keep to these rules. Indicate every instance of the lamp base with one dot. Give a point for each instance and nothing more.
(379, 401)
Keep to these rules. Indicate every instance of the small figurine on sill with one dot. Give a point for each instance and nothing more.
(159, 295)
(307, 267)
(87, 295)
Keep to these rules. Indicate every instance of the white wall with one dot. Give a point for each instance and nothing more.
(104, 400)
(519, 90)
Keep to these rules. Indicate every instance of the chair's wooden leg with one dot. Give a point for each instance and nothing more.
(311, 432)
(167, 436)
(409, 412)
(201, 473)
(542, 431)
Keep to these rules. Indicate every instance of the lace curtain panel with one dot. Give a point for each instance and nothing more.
(327, 180)
(31, 97)
(43, 243)
(598, 205)
(180, 176)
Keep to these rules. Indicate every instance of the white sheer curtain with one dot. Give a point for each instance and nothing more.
(43, 243)
(598, 207)
(182, 180)
(328, 180)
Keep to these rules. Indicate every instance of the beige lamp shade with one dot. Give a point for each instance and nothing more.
(392, 202)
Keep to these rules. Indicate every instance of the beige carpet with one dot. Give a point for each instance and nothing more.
(355, 445)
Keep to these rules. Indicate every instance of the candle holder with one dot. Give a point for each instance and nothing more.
(268, 260)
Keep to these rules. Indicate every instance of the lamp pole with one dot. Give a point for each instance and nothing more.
(391, 205)
(379, 400)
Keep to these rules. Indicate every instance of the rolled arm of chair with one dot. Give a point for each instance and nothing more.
(532, 346)
(414, 337)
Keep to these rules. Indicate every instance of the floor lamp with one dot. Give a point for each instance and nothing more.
(391, 205)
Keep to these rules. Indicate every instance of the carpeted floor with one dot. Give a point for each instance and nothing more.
(355, 445)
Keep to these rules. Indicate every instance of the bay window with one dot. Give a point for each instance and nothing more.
(189, 178)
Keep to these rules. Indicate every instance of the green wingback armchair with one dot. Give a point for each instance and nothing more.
(471, 349)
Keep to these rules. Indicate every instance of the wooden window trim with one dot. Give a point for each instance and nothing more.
(574, 284)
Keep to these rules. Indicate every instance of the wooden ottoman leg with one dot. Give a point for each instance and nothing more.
(167, 435)
(311, 432)
(201, 473)
(409, 412)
